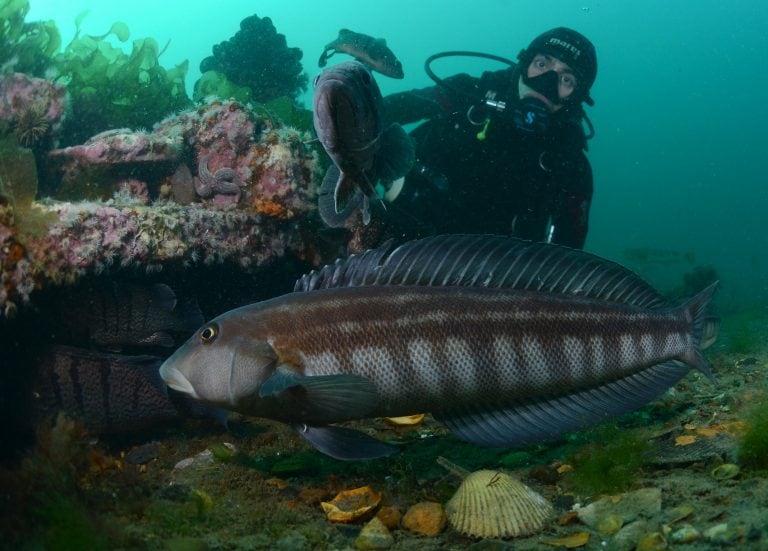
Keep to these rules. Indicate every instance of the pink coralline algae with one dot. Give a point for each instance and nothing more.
(122, 146)
(33, 107)
(237, 158)
(208, 186)
(96, 238)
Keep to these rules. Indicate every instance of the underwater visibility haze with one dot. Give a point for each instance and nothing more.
(169, 171)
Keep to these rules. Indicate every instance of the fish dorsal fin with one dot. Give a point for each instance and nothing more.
(487, 261)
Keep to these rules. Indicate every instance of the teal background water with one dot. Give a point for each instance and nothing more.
(681, 116)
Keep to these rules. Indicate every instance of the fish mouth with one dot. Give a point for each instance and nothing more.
(176, 380)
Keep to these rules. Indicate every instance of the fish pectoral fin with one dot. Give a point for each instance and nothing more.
(345, 444)
(396, 154)
(323, 398)
(547, 418)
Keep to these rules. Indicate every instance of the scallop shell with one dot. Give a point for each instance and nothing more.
(492, 504)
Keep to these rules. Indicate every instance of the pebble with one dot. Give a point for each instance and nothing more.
(626, 539)
(609, 524)
(685, 534)
(374, 535)
(426, 518)
(654, 541)
(390, 516)
(143, 454)
(628, 506)
(723, 535)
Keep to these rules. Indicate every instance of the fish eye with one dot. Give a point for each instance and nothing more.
(366, 76)
(209, 333)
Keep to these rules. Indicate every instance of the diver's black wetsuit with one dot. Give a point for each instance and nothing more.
(512, 183)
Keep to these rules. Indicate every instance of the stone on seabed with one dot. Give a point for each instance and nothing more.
(425, 518)
(374, 535)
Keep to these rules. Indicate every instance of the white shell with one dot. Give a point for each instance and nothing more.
(492, 504)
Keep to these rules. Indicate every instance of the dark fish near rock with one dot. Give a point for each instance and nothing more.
(371, 52)
(114, 315)
(505, 341)
(349, 121)
(110, 393)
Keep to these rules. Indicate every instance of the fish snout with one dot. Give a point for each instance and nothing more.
(176, 380)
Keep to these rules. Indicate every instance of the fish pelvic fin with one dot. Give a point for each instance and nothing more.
(705, 329)
(345, 444)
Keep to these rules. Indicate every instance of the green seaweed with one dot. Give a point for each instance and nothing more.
(65, 525)
(610, 463)
(213, 83)
(753, 448)
(112, 89)
(29, 47)
(288, 113)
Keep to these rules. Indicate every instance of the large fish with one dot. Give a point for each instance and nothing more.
(110, 393)
(505, 341)
(115, 315)
(372, 52)
(350, 124)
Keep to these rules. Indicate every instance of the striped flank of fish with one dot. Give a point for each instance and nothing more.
(505, 341)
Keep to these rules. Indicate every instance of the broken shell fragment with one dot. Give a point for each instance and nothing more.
(725, 471)
(406, 420)
(492, 504)
(351, 505)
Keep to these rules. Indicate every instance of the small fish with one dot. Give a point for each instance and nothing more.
(113, 316)
(349, 121)
(371, 52)
(507, 342)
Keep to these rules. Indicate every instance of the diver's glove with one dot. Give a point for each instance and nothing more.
(531, 115)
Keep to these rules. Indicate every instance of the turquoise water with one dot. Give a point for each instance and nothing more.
(680, 149)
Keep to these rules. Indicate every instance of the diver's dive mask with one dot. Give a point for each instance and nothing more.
(547, 84)
(532, 114)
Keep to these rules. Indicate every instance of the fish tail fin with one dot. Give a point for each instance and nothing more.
(705, 329)
(346, 188)
(326, 200)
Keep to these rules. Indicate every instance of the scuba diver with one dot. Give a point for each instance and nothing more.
(501, 154)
